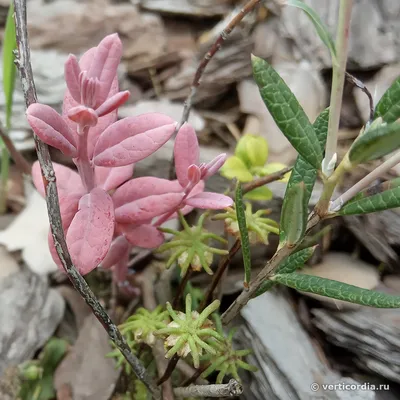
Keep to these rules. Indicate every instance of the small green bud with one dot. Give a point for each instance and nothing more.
(252, 150)
(31, 371)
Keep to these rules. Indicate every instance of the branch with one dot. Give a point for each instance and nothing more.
(356, 82)
(53, 208)
(20, 161)
(231, 389)
(266, 179)
(264, 274)
(181, 288)
(223, 36)
(223, 265)
(365, 182)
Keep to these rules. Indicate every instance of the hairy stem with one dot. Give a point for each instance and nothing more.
(365, 182)
(53, 207)
(338, 76)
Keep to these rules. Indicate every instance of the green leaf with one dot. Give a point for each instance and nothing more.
(9, 69)
(42, 388)
(262, 193)
(320, 27)
(338, 290)
(303, 171)
(244, 235)
(252, 150)
(375, 143)
(293, 222)
(234, 167)
(289, 265)
(388, 106)
(287, 112)
(362, 204)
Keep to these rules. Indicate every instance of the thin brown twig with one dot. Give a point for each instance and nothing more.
(149, 301)
(266, 179)
(181, 288)
(231, 389)
(195, 376)
(170, 368)
(223, 265)
(53, 208)
(222, 37)
(20, 161)
(356, 82)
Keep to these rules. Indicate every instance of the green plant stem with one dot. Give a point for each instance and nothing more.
(5, 165)
(330, 184)
(338, 78)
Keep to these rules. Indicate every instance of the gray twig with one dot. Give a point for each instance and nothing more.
(231, 389)
(53, 208)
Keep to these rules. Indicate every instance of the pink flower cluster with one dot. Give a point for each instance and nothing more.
(104, 211)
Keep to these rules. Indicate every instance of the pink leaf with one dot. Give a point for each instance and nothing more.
(132, 139)
(105, 64)
(146, 236)
(118, 249)
(186, 209)
(112, 103)
(209, 200)
(148, 207)
(143, 187)
(51, 128)
(91, 231)
(213, 166)
(68, 181)
(71, 73)
(186, 152)
(83, 115)
(102, 122)
(111, 178)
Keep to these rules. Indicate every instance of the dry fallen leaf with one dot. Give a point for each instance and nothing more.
(85, 369)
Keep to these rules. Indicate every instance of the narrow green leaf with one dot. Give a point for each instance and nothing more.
(303, 171)
(320, 27)
(294, 212)
(244, 235)
(9, 69)
(378, 202)
(338, 290)
(287, 112)
(261, 193)
(388, 106)
(375, 143)
(291, 264)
